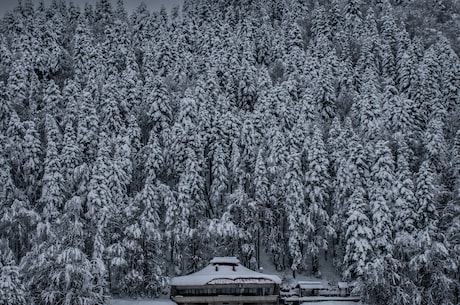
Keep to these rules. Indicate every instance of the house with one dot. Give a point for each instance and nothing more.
(225, 281)
(307, 288)
(343, 289)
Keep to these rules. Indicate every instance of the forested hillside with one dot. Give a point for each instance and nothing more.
(136, 146)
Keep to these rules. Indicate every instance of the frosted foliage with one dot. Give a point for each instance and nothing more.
(425, 194)
(220, 171)
(382, 180)
(317, 194)
(31, 162)
(358, 236)
(12, 291)
(52, 197)
(295, 210)
(405, 201)
(435, 143)
(313, 136)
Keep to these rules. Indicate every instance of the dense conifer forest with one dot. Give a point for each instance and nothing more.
(135, 146)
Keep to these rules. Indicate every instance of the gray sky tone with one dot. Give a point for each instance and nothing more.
(130, 5)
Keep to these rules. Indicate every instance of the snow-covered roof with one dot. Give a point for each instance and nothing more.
(229, 260)
(224, 270)
(342, 285)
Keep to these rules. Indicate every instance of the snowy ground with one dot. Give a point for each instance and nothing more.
(159, 301)
(333, 303)
(165, 301)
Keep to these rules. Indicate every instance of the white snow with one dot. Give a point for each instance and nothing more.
(164, 301)
(159, 301)
(215, 272)
(225, 260)
(333, 303)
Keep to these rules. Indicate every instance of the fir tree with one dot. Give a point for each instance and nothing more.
(381, 198)
(317, 186)
(295, 210)
(12, 291)
(358, 236)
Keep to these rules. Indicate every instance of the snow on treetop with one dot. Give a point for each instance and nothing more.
(226, 270)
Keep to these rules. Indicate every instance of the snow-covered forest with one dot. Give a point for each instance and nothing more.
(137, 146)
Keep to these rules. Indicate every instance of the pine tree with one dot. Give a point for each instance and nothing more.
(57, 271)
(53, 191)
(324, 91)
(83, 52)
(87, 126)
(432, 260)
(111, 118)
(190, 201)
(317, 187)
(103, 16)
(405, 203)
(18, 82)
(142, 244)
(435, 143)
(70, 157)
(428, 93)
(381, 198)
(219, 179)
(159, 105)
(295, 211)
(399, 113)
(53, 102)
(358, 236)
(116, 46)
(12, 291)
(353, 18)
(48, 49)
(426, 193)
(368, 109)
(450, 73)
(31, 161)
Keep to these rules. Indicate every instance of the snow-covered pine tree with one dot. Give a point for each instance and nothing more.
(435, 143)
(405, 214)
(358, 236)
(219, 179)
(431, 260)
(12, 291)
(87, 126)
(70, 158)
(294, 209)
(381, 278)
(31, 159)
(317, 188)
(381, 197)
(53, 190)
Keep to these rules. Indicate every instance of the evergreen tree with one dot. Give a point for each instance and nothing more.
(87, 126)
(12, 291)
(358, 236)
(159, 104)
(53, 102)
(381, 198)
(317, 187)
(53, 192)
(31, 161)
(219, 179)
(84, 52)
(404, 209)
(426, 193)
(295, 211)
(435, 143)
